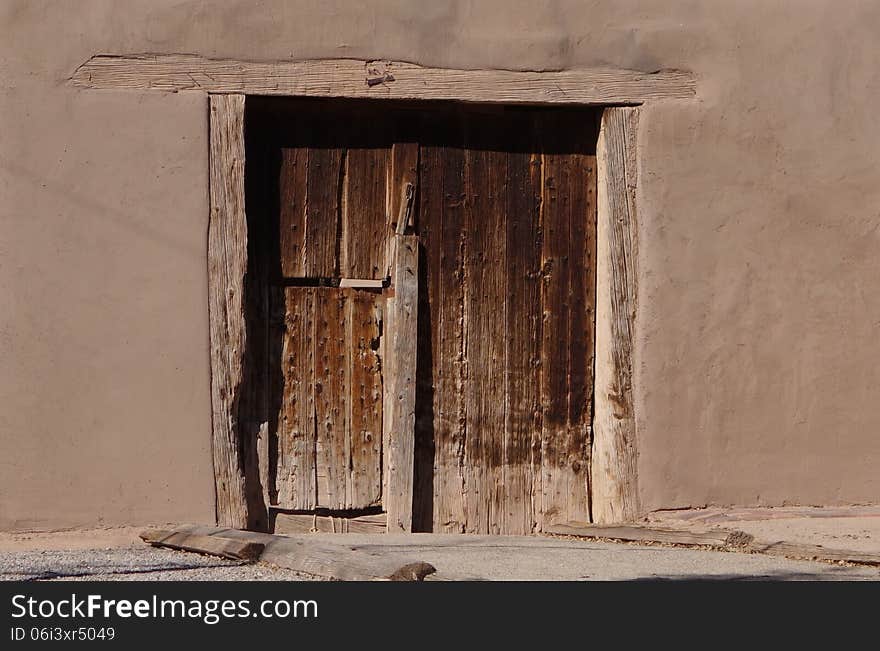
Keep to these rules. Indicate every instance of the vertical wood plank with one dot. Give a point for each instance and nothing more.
(401, 383)
(581, 323)
(522, 331)
(322, 228)
(331, 397)
(227, 265)
(485, 188)
(292, 185)
(614, 471)
(364, 218)
(296, 472)
(565, 445)
(441, 214)
(365, 404)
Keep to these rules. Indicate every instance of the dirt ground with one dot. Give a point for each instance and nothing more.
(118, 554)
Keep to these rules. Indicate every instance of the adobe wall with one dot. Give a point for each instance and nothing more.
(758, 360)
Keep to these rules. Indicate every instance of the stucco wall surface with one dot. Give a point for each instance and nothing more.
(758, 357)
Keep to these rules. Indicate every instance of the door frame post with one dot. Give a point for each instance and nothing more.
(227, 265)
(613, 471)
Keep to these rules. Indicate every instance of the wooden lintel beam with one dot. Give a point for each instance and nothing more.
(381, 79)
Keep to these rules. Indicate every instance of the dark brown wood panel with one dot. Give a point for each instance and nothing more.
(292, 186)
(567, 331)
(485, 307)
(311, 174)
(441, 226)
(295, 479)
(329, 427)
(522, 425)
(364, 215)
(325, 176)
(362, 340)
(331, 397)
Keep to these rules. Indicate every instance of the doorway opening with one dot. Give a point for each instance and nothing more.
(420, 315)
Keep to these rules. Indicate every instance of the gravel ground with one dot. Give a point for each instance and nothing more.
(461, 557)
(133, 564)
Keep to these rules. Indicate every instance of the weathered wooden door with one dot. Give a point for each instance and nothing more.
(330, 426)
(343, 302)
(432, 302)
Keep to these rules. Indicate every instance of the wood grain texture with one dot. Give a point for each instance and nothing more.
(318, 556)
(486, 303)
(364, 216)
(614, 471)
(400, 383)
(292, 188)
(227, 265)
(441, 229)
(522, 425)
(403, 180)
(323, 210)
(637, 533)
(348, 78)
(237, 550)
(567, 333)
(364, 474)
(813, 552)
(295, 477)
(330, 422)
(292, 523)
(728, 539)
(332, 394)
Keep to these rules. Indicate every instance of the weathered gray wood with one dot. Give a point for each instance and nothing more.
(361, 283)
(239, 550)
(286, 523)
(397, 80)
(227, 265)
(400, 383)
(715, 538)
(721, 538)
(614, 481)
(317, 556)
(813, 552)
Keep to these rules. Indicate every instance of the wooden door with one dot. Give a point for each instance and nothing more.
(330, 443)
(433, 310)
(341, 321)
(507, 220)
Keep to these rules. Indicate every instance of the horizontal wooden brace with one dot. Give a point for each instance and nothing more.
(381, 79)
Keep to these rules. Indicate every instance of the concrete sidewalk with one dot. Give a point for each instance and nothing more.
(117, 554)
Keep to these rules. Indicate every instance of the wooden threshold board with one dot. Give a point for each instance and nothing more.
(309, 555)
(286, 523)
(723, 539)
